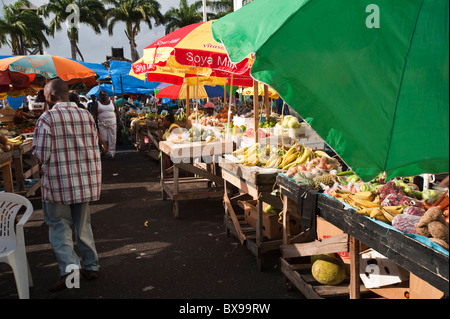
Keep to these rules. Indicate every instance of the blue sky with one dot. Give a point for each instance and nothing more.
(95, 47)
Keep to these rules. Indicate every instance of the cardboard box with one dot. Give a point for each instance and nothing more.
(327, 230)
(377, 271)
(272, 229)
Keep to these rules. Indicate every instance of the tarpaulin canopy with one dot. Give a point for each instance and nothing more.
(98, 68)
(119, 72)
(114, 90)
(373, 77)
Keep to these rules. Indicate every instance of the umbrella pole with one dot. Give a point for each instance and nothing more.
(266, 99)
(196, 101)
(224, 95)
(229, 108)
(256, 109)
(282, 129)
(187, 102)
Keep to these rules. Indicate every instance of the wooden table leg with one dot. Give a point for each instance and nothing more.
(176, 172)
(354, 289)
(7, 176)
(259, 233)
(163, 174)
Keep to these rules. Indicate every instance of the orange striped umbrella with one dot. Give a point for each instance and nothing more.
(48, 66)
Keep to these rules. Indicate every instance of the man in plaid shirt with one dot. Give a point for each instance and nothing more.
(66, 144)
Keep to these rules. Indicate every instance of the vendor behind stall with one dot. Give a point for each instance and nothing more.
(169, 125)
(208, 109)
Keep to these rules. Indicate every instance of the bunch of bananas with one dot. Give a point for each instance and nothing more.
(18, 140)
(360, 200)
(248, 156)
(369, 204)
(384, 213)
(296, 155)
(281, 158)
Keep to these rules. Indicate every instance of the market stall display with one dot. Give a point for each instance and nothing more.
(255, 184)
(416, 254)
(198, 158)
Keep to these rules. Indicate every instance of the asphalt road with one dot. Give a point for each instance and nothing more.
(147, 254)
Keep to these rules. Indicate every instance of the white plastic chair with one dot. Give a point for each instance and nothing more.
(12, 240)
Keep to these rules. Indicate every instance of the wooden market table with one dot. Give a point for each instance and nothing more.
(252, 183)
(423, 262)
(197, 158)
(5, 166)
(26, 166)
(146, 138)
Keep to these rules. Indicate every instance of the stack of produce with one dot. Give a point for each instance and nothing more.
(398, 202)
(200, 134)
(280, 157)
(269, 122)
(423, 213)
(7, 143)
(180, 117)
(245, 110)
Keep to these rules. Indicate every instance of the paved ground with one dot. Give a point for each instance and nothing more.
(147, 254)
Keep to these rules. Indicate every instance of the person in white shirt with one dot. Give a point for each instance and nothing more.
(106, 114)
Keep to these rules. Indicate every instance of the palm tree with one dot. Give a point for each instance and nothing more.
(222, 7)
(91, 13)
(21, 28)
(183, 15)
(133, 12)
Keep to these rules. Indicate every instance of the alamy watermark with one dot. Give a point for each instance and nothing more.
(73, 277)
(73, 19)
(373, 19)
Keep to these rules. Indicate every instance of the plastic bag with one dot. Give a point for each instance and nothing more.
(406, 223)
(399, 199)
(413, 210)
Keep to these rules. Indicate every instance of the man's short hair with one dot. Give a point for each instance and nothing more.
(57, 87)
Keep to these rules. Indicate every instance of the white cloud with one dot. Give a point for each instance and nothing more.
(95, 47)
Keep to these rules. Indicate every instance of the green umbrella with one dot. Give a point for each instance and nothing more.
(371, 75)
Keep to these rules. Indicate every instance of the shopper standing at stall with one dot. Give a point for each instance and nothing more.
(107, 117)
(65, 143)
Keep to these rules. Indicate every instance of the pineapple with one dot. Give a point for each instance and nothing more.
(326, 179)
(302, 179)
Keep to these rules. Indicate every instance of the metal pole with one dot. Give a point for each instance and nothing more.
(204, 11)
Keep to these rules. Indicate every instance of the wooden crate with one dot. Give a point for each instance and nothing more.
(272, 228)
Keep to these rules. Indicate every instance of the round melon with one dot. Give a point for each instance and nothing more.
(328, 270)
(321, 256)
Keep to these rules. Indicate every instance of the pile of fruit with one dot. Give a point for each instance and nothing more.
(180, 117)
(269, 122)
(290, 121)
(285, 158)
(7, 143)
(197, 135)
(250, 132)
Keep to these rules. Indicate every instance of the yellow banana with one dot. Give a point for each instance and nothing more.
(272, 158)
(389, 212)
(319, 153)
(287, 159)
(375, 212)
(367, 211)
(362, 202)
(290, 151)
(304, 156)
(366, 195)
(240, 151)
(263, 158)
(288, 166)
